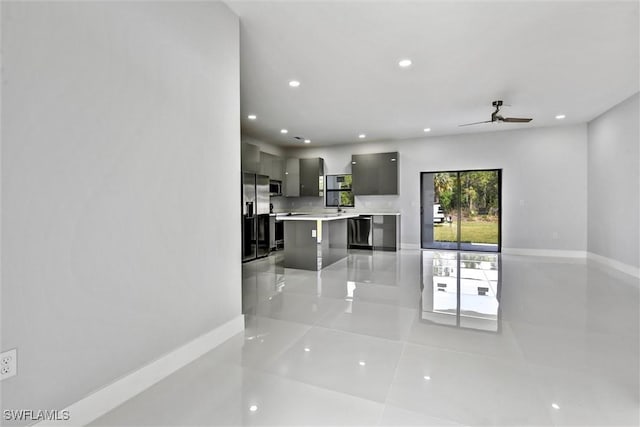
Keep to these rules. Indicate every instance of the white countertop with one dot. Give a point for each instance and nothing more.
(316, 217)
(377, 213)
(281, 215)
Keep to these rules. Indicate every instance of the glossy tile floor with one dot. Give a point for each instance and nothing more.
(416, 338)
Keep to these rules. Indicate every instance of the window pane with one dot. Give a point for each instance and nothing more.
(338, 182)
(346, 183)
(333, 197)
(346, 198)
(480, 203)
(339, 191)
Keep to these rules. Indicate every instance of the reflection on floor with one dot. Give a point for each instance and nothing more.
(416, 338)
(461, 289)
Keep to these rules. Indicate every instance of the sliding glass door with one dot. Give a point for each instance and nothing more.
(440, 206)
(461, 210)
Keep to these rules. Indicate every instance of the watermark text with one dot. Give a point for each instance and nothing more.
(36, 415)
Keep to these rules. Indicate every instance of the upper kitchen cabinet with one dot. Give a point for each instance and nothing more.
(277, 168)
(265, 163)
(312, 177)
(374, 174)
(250, 158)
(292, 178)
(272, 166)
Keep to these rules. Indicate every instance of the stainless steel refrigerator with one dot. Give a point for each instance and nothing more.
(255, 216)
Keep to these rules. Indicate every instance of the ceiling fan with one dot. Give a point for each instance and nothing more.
(495, 117)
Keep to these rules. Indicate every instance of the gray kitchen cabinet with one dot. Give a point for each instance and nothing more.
(272, 166)
(386, 232)
(312, 177)
(375, 173)
(266, 160)
(292, 178)
(250, 158)
(277, 168)
(272, 233)
(363, 174)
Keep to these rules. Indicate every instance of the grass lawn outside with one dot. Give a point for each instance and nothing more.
(472, 231)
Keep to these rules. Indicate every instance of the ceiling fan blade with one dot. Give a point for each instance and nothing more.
(516, 120)
(476, 123)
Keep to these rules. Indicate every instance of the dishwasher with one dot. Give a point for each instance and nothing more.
(360, 232)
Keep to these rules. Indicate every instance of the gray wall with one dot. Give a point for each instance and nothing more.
(614, 183)
(120, 122)
(544, 180)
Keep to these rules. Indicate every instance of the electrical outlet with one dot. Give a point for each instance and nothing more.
(8, 364)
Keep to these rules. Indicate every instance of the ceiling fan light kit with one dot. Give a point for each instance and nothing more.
(496, 117)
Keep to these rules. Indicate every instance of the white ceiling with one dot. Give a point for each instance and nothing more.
(577, 58)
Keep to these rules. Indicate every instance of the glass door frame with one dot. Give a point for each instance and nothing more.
(459, 221)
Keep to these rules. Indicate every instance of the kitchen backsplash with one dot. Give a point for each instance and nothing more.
(279, 203)
(316, 204)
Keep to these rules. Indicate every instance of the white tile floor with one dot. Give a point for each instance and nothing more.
(371, 340)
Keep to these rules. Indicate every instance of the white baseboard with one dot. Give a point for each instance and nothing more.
(544, 252)
(616, 265)
(102, 401)
(523, 251)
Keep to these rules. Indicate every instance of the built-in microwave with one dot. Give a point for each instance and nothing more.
(275, 188)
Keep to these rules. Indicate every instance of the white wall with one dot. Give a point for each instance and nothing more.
(614, 183)
(544, 180)
(120, 122)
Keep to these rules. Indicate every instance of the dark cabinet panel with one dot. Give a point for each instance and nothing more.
(388, 173)
(266, 160)
(312, 177)
(277, 168)
(362, 167)
(375, 174)
(272, 166)
(292, 178)
(250, 158)
(386, 232)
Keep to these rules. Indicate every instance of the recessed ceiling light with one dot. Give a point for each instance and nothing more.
(294, 83)
(560, 116)
(252, 117)
(427, 377)
(362, 363)
(427, 129)
(404, 63)
(555, 406)
(307, 349)
(253, 408)
(362, 136)
(307, 141)
(284, 131)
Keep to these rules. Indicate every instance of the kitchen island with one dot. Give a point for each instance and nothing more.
(314, 241)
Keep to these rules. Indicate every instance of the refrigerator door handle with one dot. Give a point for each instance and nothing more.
(249, 209)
